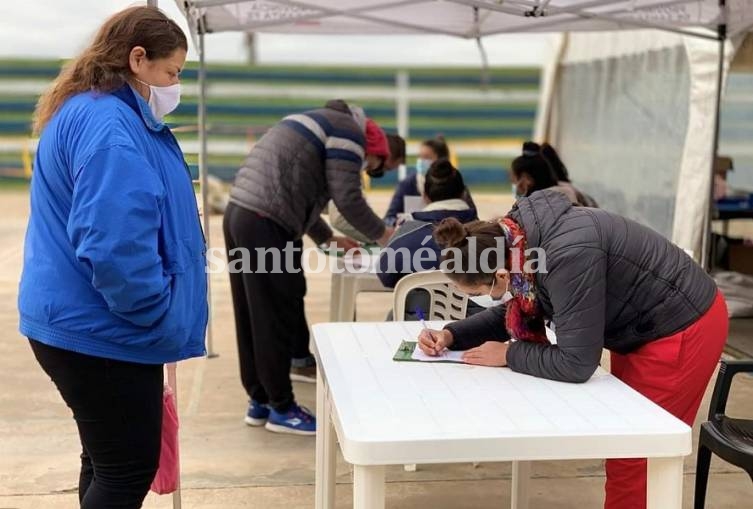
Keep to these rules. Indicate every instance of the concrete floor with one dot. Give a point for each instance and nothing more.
(228, 465)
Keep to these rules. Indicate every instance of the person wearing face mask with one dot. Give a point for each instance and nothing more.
(113, 283)
(443, 191)
(563, 176)
(278, 196)
(442, 195)
(412, 185)
(533, 171)
(605, 282)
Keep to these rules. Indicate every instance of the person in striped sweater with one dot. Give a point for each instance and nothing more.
(278, 195)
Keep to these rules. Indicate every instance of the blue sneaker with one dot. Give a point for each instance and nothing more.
(297, 420)
(257, 414)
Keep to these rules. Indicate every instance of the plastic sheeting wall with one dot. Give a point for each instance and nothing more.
(621, 128)
(736, 138)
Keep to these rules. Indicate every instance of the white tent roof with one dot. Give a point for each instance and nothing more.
(465, 18)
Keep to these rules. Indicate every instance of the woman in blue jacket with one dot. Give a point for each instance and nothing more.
(114, 281)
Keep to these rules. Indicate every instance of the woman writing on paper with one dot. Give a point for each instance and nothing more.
(605, 282)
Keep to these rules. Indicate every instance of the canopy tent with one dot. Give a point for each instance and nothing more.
(465, 18)
(715, 20)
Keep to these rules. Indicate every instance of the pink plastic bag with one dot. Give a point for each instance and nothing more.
(168, 475)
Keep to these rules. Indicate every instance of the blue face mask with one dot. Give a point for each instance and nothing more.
(422, 166)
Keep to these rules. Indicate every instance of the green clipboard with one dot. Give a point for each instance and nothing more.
(405, 354)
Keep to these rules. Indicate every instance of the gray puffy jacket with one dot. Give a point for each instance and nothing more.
(610, 283)
(302, 162)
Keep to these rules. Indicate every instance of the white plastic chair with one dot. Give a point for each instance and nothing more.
(446, 303)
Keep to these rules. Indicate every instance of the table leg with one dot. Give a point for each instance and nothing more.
(521, 478)
(664, 483)
(326, 448)
(347, 303)
(368, 487)
(335, 296)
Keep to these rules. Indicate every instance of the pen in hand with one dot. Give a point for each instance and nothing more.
(420, 316)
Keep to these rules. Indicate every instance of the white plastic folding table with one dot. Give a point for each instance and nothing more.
(384, 412)
(351, 277)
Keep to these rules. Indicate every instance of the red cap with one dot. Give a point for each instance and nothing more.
(376, 141)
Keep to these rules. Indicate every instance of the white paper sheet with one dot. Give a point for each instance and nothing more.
(447, 356)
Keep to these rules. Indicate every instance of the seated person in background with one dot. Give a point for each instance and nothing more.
(443, 191)
(394, 159)
(412, 185)
(563, 177)
(722, 165)
(531, 172)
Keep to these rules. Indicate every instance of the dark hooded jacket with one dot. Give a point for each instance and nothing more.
(610, 283)
(411, 236)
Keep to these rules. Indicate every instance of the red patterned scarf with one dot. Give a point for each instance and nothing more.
(524, 320)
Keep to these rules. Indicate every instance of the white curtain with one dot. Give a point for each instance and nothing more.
(632, 114)
(620, 119)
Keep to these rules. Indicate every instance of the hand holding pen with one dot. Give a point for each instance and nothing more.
(432, 342)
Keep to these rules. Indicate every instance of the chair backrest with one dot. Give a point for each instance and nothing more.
(445, 303)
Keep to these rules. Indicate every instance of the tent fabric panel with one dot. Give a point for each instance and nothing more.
(740, 17)
(458, 17)
(694, 190)
(620, 124)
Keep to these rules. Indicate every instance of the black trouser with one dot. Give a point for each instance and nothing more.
(270, 322)
(118, 410)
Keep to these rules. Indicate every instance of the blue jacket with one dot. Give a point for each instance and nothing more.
(414, 235)
(409, 187)
(114, 260)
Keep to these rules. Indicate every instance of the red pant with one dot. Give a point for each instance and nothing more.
(673, 372)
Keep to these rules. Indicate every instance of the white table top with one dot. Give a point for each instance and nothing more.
(388, 412)
(364, 264)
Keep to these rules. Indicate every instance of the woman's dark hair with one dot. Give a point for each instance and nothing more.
(397, 148)
(439, 146)
(533, 163)
(104, 65)
(443, 181)
(551, 155)
(453, 235)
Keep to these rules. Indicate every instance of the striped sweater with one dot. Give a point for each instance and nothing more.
(303, 162)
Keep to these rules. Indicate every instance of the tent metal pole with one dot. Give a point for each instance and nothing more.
(172, 382)
(402, 86)
(578, 11)
(204, 177)
(706, 244)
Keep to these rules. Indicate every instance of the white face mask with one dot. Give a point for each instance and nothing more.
(487, 301)
(162, 100)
